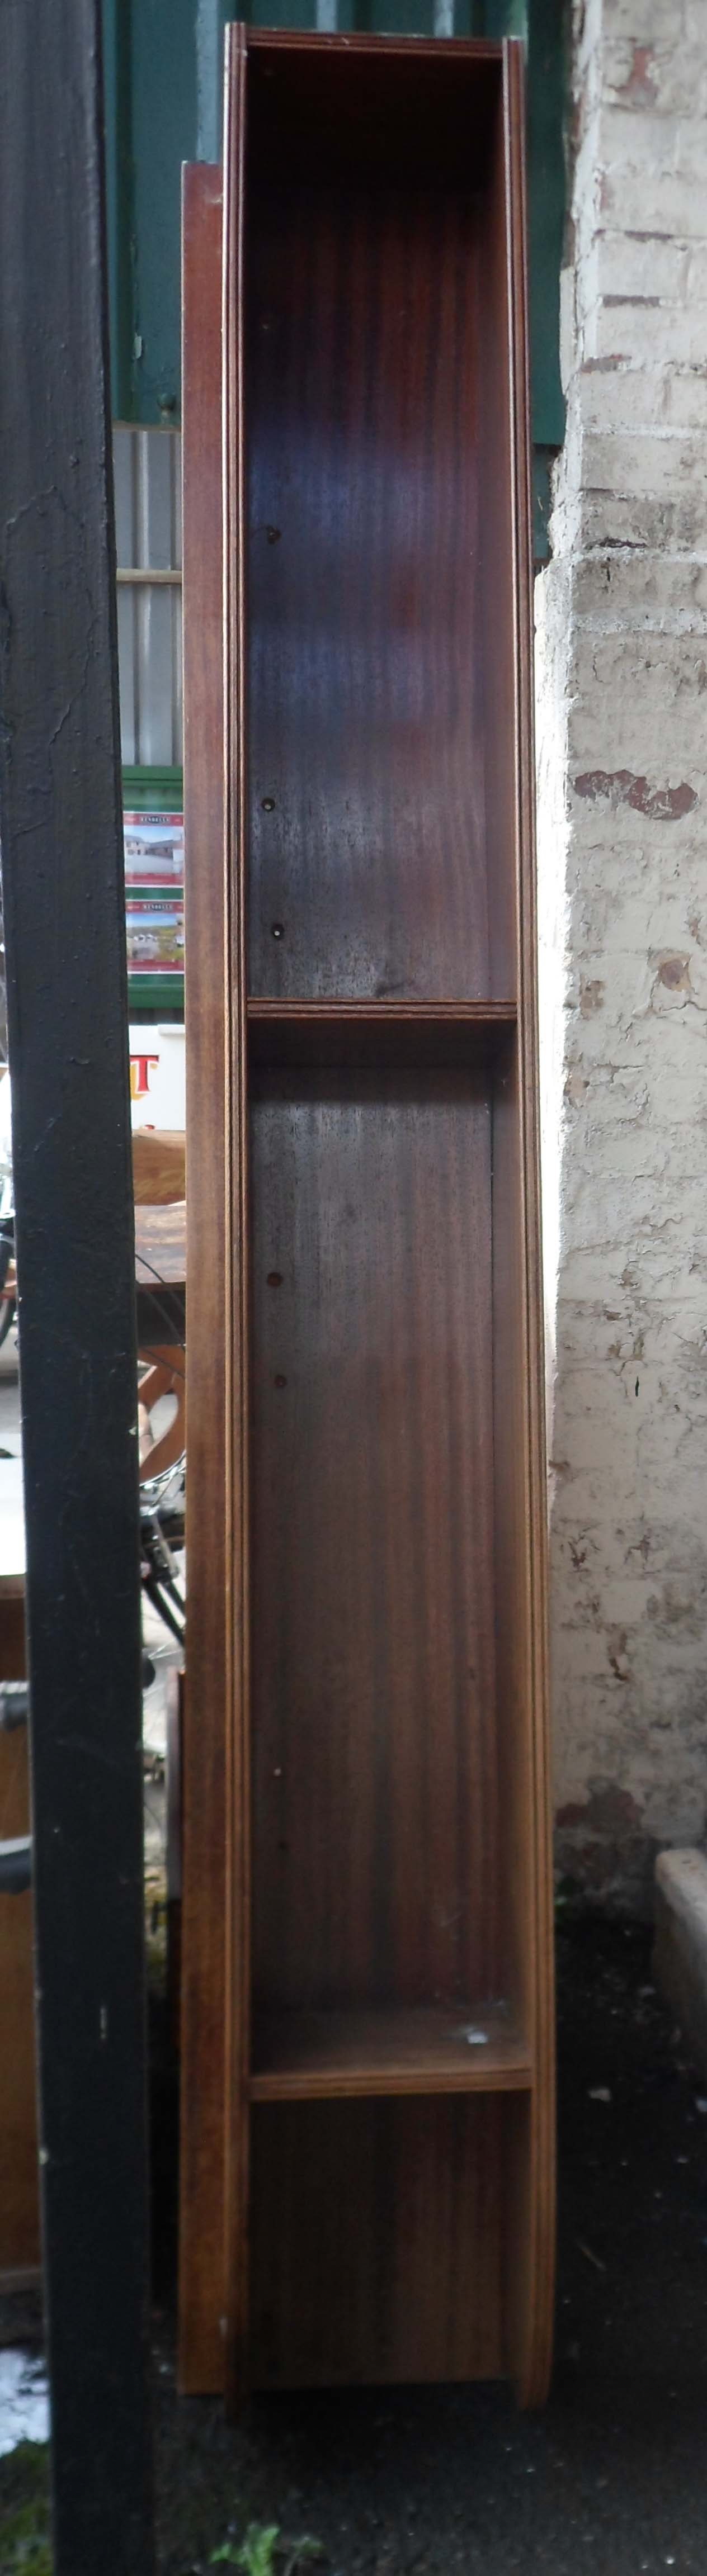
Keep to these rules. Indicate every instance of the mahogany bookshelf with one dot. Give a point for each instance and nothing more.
(307, 2057)
(367, 2053)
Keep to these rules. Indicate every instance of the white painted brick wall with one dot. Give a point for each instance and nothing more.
(622, 856)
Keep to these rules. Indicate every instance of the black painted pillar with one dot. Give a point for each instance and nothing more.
(67, 1010)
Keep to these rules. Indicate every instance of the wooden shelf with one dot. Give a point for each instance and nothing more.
(405, 1033)
(367, 2195)
(325, 2056)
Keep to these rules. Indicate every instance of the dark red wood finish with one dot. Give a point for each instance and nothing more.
(207, 1714)
(412, 1034)
(377, 2241)
(387, 1927)
(373, 1692)
(366, 771)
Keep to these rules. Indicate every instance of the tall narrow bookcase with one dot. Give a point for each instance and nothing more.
(367, 2071)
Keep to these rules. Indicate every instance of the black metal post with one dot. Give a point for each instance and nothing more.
(67, 1008)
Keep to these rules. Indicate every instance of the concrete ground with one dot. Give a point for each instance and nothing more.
(613, 2476)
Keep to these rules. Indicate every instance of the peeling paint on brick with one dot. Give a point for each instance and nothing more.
(591, 995)
(638, 90)
(576, 1085)
(622, 756)
(675, 972)
(607, 1808)
(621, 787)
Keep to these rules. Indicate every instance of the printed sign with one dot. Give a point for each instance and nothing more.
(155, 932)
(154, 849)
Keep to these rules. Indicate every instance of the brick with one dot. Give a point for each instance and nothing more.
(675, 78)
(604, 519)
(641, 395)
(645, 141)
(696, 274)
(660, 201)
(642, 21)
(638, 594)
(658, 466)
(627, 265)
(692, 23)
(622, 703)
(639, 331)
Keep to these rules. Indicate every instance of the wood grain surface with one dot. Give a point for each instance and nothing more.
(371, 110)
(377, 1033)
(304, 2056)
(377, 2241)
(377, 1652)
(203, 2099)
(373, 1709)
(365, 634)
(161, 1246)
(532, 2207)
(158, 1166)
(238, 1815)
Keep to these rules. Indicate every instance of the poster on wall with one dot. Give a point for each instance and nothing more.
(155, 931)
(154, 849)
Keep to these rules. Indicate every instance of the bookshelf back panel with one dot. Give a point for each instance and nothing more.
(377, 2241)
(366, 822)
(375, 1868)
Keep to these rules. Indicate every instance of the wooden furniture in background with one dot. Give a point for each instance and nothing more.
(160, 1257)
(367, 2070)
(159, 1155)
